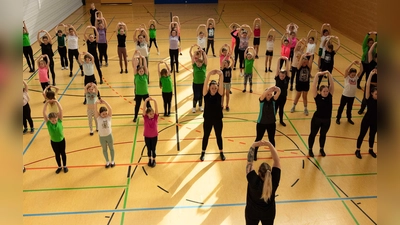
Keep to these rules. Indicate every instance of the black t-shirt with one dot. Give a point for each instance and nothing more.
(93, 14)
(368, 70)
(47, 49)
(324, 106)
(255, 184)
(227, 74)
(267, 111)
(303, 75)
(237, 42)
(92, 47)
(212, 106)
(372, 110)
(328, 59)
(211, 32)
(282, 84)
(121, 40)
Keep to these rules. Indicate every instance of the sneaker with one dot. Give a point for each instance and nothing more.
(269, 70)
(91, 133)
(234, 68)
(227, 108)
(202, 156)
(291, 88)
(251, 91)
(201, 109)
(283, 123)
(106, 64)
(65, 169)
(193, 110)
(350, 121)
(338, 121)
(121, 71)
(322, 152)
(126, 71)
(266, 70)
(177, 71)
(101, 81)
(112, 164)
(153, 164)
(44, 101)
(62, 68)
(25, 131)
(58, 170)
(256, 56)
(358, 154)
(180, 53)
(23, 170)
(371, 152)
(32, 130)
(221, 154)
(66, 67)
(311, 153)
(230, 92)
(70, 74)
(31, 71)
(134, 120)
(241, 74)
(149, 163)
(360, 112)
(293, 109)
(84, 102)
(214, 55)
(306, 112)
(107, 165)
(158, 53)
(244, 91)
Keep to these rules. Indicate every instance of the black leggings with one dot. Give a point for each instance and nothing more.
(280, 104)
(241, 58)
(155, 42)
(197, 94)
(293, 77)
(51, 65)
(97, 63)
(207, 126)
(366, 71)
(345, 101)
(138, 100)
(71, 54)
(63, 56)
(89, 79)
(167, 98)
(365, 125)
(267, 218)
(26, 116)
(281, 63)
(59, 150)
(316, 125)
(151, 144)
(236, 56)
(28, 53)
(260, 129)
(291, 54)
(102, 52)
(210, 43)
(173, 55)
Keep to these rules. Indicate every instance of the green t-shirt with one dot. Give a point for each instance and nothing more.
(55, 131)
(199, 73)
(25, 40)
(141, 84)
(61, 40)
(152, 33)
(166, 84)
(248, 66)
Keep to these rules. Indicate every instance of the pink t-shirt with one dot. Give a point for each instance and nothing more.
(294, 42)
(285, 51)
(221, 58)
(150, 126)
(43, 78)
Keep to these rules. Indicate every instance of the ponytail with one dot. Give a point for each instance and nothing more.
(265, 174)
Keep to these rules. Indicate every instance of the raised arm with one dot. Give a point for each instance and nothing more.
(274, 155)
(155, 105)
(270, 32)
(338, 43)
(85, 36)
(145, 105)
(368, 85)
(284, 37)
(220, 82)
(325, 26)
(231, 26)
(277, 91)
(371, 51)
(331, 82)
(146, 36)
(25, 86)
(266, 91)
(135, 63)
(191, 54)
(90, 55)
(96, 33)
(49, 37)
(135, 37)
(44, 112)
(60, 110)
(255, 22)
(310, 32)
(109, 109)
(201, 26)
(346, 72)
(39, 40)
(314, 90)
(205, 59)
(146, 71)
(23, 22)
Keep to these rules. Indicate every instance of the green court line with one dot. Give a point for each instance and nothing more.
(129, 178)
(323, 172)
(74, 188)
(220, 17)
(352, 175)
(261, 77)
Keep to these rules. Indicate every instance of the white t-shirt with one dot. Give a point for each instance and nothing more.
(310, 48)
(322, 45)
(104, 126)
(88, 69)
(350, 86)
(72, 42)
(144, 51)
(270, 46)
(201, 42)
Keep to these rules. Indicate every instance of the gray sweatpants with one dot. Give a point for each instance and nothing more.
(107, 140)
(90, 114)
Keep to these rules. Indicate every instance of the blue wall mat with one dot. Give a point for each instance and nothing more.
(183, 1)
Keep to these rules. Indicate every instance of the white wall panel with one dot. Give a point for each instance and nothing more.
(46, 14)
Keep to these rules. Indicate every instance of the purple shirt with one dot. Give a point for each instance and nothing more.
(102, 35)
(150, 126)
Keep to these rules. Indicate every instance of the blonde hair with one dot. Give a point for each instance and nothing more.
(265, 173)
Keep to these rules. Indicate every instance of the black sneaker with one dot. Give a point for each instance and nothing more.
(153, 164)
(112, 164)
(230, 92)
(244, 91)
(360, 112)
(266, 70)
(31, 71)
(24, 170)
(221, 154)
(350, 121)
(65, 169)
(58, 170)
(134, 120)
(84, 102)
(70, 74)
(338, 121)
(121, 71)
(269, 70)
(234, 68)
(256, 56)
(91, 133)
(322, 152)
(251, 91)
(371, 152)
(311, 153)
(291, 88)
(358, 154)
(126, 71)
(149, 163)
(25, 131)
(283, 123)
(107, 165)
(101, 81)
(202, 156)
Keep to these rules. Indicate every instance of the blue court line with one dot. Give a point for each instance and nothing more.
(190, 206)
(37, 132)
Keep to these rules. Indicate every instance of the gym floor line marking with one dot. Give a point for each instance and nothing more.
(191, 206)
(74, 188)
(352, 175)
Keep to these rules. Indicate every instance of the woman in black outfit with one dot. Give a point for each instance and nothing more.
(237, 43)
(322, 116)
(92, 12)
(213, 112)
(261, 187)
(46, 43)
(282, 79)
(91, 43)
(370, 118)
(27, 49)
(266, 117)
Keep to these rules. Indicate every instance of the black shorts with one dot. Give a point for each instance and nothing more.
(269, 53)
(325, 67)
(256, 41)
(302, 86)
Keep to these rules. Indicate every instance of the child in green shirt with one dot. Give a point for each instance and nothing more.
(248, 69)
